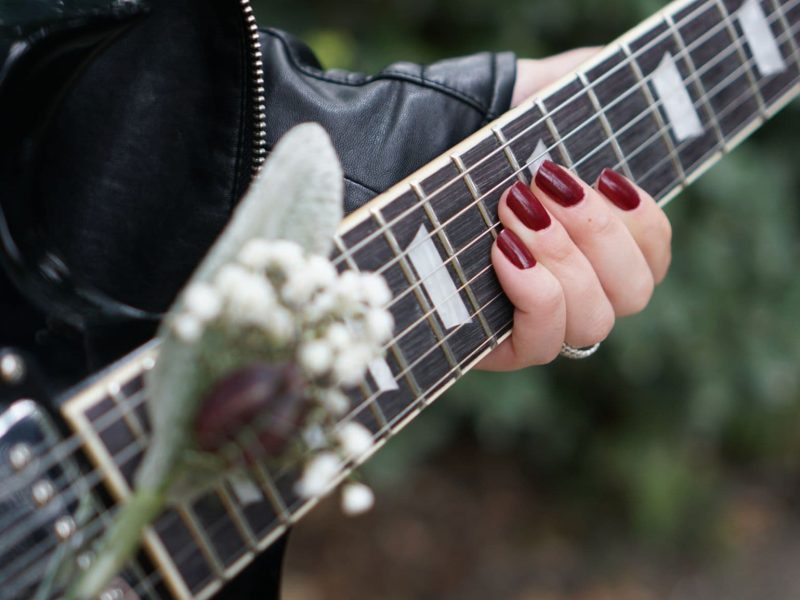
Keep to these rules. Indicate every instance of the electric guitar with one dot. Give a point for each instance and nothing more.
(661, 104)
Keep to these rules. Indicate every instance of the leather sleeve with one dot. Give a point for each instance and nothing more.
(384, 126)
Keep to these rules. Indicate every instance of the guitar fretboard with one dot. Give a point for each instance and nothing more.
(661, 105)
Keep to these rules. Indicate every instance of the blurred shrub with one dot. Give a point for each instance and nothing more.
(702, 387)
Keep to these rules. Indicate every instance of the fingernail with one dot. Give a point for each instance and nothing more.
(527, 207)
(515, 250)
(558, 184)
(618, 189)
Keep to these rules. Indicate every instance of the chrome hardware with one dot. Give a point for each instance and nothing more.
(20, 456)
(84, 560)
(42, 492)
(64, 528)
(12, 368)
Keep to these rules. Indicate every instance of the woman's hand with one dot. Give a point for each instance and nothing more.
(572, 257)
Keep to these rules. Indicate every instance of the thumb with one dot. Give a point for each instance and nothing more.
(535, 74)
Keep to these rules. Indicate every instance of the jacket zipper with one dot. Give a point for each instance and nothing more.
(258, 98)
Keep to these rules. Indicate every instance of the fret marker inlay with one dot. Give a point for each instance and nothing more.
(760, 39)
(539, 155)
(675, 99)
(246, 490)
(382, 375)
(436, 280)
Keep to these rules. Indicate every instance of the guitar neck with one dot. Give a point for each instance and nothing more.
(662, 104)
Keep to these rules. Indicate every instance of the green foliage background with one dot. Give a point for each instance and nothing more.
(684, 402)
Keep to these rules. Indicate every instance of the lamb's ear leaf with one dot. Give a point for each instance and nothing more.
(296, 196)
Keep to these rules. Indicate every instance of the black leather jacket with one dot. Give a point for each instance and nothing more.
(128, 133)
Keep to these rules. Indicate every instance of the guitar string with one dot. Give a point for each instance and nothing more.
(158, 575)
(708, 95)
(672, 30)
(367, 402)
(723, 83)
(640, 85)
(349, 253)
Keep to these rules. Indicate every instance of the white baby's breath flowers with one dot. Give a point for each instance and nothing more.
(316, 357)
(280, 324)
(375, 291)
(256, 254)
(285, 255)
(355, 439)
(321, 271)
(187, 327)
(351, 364)
(319, 475)
(330, 325)
(314, 437)
(357, 499)
(202, 301)
(339, 336)
(379, 325)
(230, 276)
(251, 300)
(299, 288)
(334, 401)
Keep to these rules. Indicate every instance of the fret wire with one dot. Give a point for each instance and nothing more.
(376, 409)
(202, 541)
(399, 355)
(698, 82)
(512, 160)
(630, 57)
(238, 518)
(473, 189)
(786, 27)
(452, 258)
(104, 416)
(142, 577)
(663, 127)
(456, 262)
(118, 397)
(266, 483)
(395, 350)
(728, 19)
(558, 140)
(606, 125)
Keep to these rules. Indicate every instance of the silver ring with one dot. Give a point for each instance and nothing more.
(577, 353)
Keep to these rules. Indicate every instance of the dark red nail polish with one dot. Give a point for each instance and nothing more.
(527, 207)
(618, 189)
(558, 184)
(515, 250)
